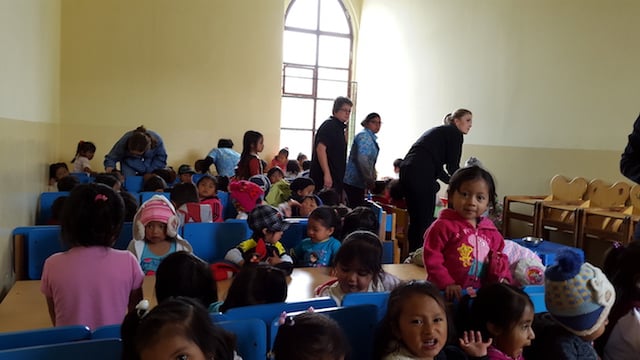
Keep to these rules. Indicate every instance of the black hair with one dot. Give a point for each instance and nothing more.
(306, 165)
(154, 183)
(109, 179)
(310, 336)
(186, 317)
(183, 274)
(339, 102)
(301, 156)
(273, 170)
(56, 210)
(184, 193)
(67, 183)
(223, 183)
(471, 173)
(256, 284)
(387, 337)
(92, 216)
(84, 146)
(53, 168)
(370, 117)
(202, 166)
(284, 151)
(622, 268)
(130, 205)
(249, 140)
(300, 183)
(396, 192)
(397, 162)
(326, 216)
(499, 304)
(360, 218)
(225, 143)
(363, 247)
(293, 167)
(329, 197)
(167, 174)
(140, 140)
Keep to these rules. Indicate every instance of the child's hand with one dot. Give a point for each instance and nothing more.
(453, 292)
(274, 259)
(472, 344)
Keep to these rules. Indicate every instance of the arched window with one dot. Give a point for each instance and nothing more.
(316, 68)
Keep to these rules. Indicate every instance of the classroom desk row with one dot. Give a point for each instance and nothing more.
(25, 308)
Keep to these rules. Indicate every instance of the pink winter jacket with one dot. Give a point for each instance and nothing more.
(456, 253)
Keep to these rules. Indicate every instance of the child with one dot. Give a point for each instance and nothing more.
(358, 268)
(503, 313)
(84, 153)
(320, 247)
(110, 179)
(301, 159)
(56, 172)
(275, 174)
(310, 336)
(281, 159)
(67, 183)
(308, 204)
(462, 248)
(153, 183)
(578, 297)
(178, 328)
(245, 196)
(267, 225)
(292, 170)
(250, 164)
(155, 233)
(416, 326)
(185, 199)
(208, 193)
(360, 218)
(185, 172)
(91, 283)
(183, 274)
(130, 205)
(254, 284)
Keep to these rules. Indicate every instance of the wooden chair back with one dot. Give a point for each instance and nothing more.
(563, 189)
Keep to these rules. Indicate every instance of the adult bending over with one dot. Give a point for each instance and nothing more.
(424, 164)
(139, 152)
(360, 174)
(329, 157)
(630, 162)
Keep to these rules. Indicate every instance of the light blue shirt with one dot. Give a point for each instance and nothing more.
(225, 160)
(361, 165)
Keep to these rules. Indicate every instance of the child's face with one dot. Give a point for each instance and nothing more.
(520, 335)
(422, 326)
(307, 206)
(88, 154)
(307, 191)
(353, 277)
(318, 232)
(282, 157)
(61, 172)
(259, 145)
(170, 346)
(471, 200)
(272, 237)
(275, 177)
(155, 232)
(206, 188)
(186, 178)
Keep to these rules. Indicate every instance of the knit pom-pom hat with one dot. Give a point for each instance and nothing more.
(157, 208)
(577, 294)
(246, 194)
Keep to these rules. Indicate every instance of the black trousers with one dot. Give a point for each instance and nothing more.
(420, 188)
(355, 196)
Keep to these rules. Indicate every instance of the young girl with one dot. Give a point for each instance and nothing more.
(358, 268)
(245, 196)
(309, 336)
(281, 159)
(254, 284)
(84, 153)
(155, 233)
(462, 248)
(91, 283)
(56, 172)
(416, 327)
(208, 193)
(178, 328)
(503, 313)
(183, 274)
(250, 163)
(320, 247)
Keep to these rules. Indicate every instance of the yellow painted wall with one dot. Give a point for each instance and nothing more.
(193, 71)
(29, 102)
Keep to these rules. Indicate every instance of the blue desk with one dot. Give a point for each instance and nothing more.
(547, 250)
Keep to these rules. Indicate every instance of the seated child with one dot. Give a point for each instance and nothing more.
(280, 160)
(185, 198)
(183, 274)
(275, 174)
(360, 218)
(254, 284)
(153, 183)
(56, 172)
(416, 326)
(245, 196)
(292, 170)
(289, 197)
(185, 173)
(308, 204)
(578, 297)
(316, 337)
(462, 248)
(358, 268)
(262, 181)
(267, 225)
(320, 247)
(110, 179)
(155, 233)
(67, 183)
(208, 193)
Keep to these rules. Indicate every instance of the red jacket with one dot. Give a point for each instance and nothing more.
(456, 253)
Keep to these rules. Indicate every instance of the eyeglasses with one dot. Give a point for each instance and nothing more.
(347, 110)
(376, 122)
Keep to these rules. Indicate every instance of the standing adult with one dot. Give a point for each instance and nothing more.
(630, 162)
(424, 164)
(329, 157)
(360, 174)
(139, 152)
(224, 158)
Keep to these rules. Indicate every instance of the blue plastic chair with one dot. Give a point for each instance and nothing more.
(251, 335)
(45, 202)
(106, 332)
(146, 195)
(244, 222)
(211, 241)
(133, 183)
(536, 294)
(387, 252)
(196, 177)
(379, 299)
(103, 349)
(46, 336)
(83, 177)
(38, 243)
(126, 234)
(296, 232)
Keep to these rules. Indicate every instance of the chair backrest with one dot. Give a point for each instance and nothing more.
(146, 195)
(604, 195)
(83, 177)
(251, 337)
(126, 234)
(211, 241)
(379, 299)
(45, 202)
(244, 223)
(387, 252)
(296, 232)
(106, 332)
(102, 349)
(133, 183)
(39, 242)
(46, 336)
(568, 190)
(536, 294)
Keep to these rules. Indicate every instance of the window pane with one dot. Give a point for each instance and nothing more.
(333, 74)
(299, 48)
(332, 88)
(298, 141)
(303, 14)
(297, 113)
(334, 51)
(298, 80)
(333, 17)
(324, 109)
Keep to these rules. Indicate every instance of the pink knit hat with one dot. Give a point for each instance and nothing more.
(246, 194)
(157, 208)
(156, 211)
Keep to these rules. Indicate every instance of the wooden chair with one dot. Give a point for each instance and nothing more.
(387, 234)
(567, 217)
(401, 227)
(527, 208)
